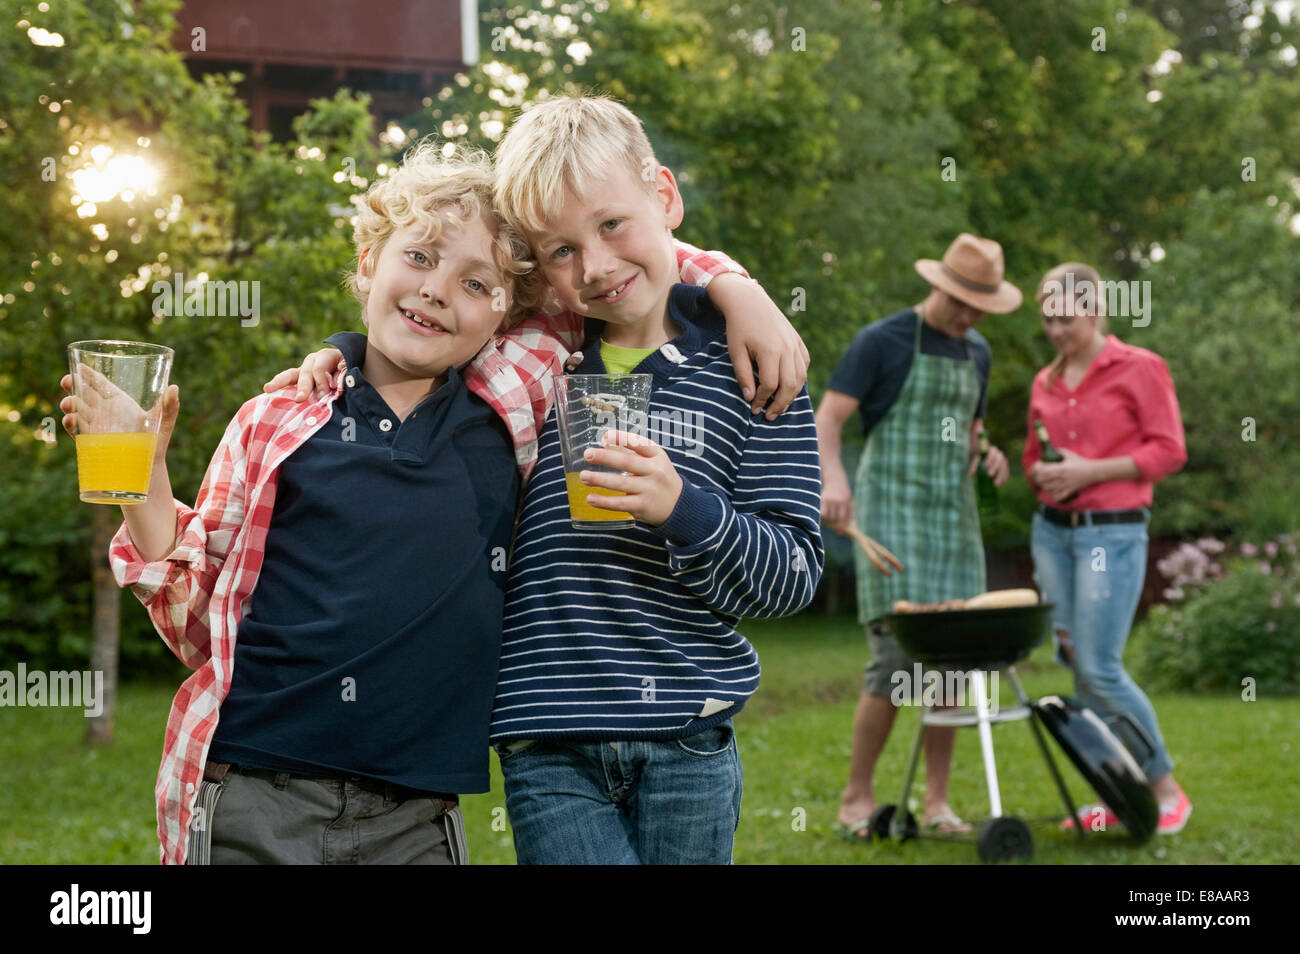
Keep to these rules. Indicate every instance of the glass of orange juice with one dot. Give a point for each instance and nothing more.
(118, 387)
(587, 406)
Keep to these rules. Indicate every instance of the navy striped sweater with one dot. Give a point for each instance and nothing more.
(630, 634)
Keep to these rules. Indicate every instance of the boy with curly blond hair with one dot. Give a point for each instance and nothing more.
(338, 585)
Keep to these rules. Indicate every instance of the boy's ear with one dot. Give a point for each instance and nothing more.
(365, 274)
(667, 195)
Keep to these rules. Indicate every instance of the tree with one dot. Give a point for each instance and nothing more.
(829, 145)
(131, 177)
(1229, 293)
(1207, 28)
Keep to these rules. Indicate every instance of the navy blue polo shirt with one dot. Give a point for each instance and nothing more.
(875, 367)
(373, 636)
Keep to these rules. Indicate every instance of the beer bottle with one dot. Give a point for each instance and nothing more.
(986, 492)
(1050, 454)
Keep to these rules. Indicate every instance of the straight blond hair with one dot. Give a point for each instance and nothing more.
(567, 142)
(1078, 275)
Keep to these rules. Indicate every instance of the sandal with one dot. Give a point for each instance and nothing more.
(946, 823)
(859, 831)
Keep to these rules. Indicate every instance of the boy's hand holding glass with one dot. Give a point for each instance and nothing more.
(120, 411)
(647, 477)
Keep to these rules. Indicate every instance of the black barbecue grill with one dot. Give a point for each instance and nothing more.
(978, 641)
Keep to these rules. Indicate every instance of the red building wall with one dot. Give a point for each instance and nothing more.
(293, 51)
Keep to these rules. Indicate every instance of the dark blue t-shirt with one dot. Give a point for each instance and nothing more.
(373, 636)
(875, 367)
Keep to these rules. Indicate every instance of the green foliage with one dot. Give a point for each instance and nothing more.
(1246, 625)
(810, 143)
(1224, 299)
(1209, 28)
(225, 204)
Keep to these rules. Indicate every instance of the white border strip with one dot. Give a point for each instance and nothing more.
(469, 31)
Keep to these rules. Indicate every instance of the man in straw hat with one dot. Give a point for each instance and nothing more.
(919, 381)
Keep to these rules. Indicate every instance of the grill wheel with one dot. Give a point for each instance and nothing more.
(1004, 839)
(881, 819)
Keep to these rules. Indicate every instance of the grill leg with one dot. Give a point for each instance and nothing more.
(898, 824)
(986, 742)
(1047, 754)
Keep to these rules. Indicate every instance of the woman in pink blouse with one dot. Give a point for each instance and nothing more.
(1111, 410)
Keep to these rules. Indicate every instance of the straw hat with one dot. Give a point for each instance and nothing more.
(971, 271)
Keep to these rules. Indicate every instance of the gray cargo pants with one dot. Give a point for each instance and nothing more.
(255, 816)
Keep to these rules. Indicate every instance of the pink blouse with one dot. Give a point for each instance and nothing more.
(1125, 406)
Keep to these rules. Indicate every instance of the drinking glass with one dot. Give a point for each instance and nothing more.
(588, 406)
(118, 388)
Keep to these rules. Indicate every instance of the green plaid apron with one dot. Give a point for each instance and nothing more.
(912, 492)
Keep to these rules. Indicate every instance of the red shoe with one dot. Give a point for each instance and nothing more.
(1090, 814)
(1174, 815)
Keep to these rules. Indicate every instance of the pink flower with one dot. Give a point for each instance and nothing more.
(1270, 626)
(1249, 549)
(1187, 564)
(1216, 571)
(1270, 550)
(1210, 545)
(1174, 593)
(1265, 567)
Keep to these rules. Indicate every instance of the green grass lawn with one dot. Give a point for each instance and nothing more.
(65, 804)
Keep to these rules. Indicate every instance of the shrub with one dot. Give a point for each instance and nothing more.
(1226, 623)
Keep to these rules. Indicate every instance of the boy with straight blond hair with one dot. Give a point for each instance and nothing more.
(621, 667)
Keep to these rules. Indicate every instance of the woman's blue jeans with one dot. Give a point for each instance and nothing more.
(1094, 576)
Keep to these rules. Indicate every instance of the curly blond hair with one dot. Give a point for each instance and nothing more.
(435, 187)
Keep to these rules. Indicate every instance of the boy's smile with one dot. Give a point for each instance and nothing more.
(616, 294)
(423, 323)
(429, 304)
(609, 255)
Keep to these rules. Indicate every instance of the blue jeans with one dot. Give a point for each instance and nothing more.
(1094, 575)
(624, 803)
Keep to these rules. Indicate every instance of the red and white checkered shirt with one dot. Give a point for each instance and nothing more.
(197, 594)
